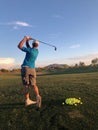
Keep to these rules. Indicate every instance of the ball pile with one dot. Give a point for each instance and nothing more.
(72, 101)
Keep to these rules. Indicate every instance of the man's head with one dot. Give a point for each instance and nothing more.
(35, 43)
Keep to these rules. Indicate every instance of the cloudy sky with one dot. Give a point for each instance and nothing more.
(70, 25)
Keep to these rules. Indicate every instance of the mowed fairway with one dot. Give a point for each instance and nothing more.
(53, 115)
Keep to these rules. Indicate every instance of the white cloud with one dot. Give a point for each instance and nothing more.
(16, 27)
(84, 58)
(75, 46)
(58, 16)
(70, 61)
(17, 24)
(20, 23)
(7, 60)
(7, 63)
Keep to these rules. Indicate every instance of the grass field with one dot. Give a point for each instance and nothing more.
(53, 115)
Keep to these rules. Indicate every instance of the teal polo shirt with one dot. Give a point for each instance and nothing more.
(30, 58)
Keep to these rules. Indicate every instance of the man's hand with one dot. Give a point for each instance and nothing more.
(25, 39)
(28, 38)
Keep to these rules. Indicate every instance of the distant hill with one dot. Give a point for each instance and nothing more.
(59, 69)
(65, 69)
(55, 66)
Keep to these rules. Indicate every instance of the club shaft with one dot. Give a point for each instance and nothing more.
(45, 43)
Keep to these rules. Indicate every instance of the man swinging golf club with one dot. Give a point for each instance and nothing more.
(28, 71)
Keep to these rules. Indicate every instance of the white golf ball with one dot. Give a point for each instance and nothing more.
(63, 103)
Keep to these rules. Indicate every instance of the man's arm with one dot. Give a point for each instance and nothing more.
(21, 43)
(27, 44)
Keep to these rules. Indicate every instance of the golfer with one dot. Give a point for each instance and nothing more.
(28, 71)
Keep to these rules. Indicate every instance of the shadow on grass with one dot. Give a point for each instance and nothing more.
(11, 105)
(19, 105)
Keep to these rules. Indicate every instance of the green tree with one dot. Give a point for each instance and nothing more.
(94, 61)
(81, 64)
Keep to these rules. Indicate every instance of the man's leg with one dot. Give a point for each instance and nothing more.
(26, 92)
(25, 80)
(27, 96)
(32, 79)
(38, 97)
(36, 90)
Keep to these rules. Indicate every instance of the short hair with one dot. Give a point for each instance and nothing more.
(35, 44)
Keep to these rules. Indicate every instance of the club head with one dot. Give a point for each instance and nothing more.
(55, 48)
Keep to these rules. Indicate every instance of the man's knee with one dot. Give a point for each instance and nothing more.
(26, 90)
(34, 85)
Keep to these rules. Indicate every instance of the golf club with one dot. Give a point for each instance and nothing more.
(55, 48)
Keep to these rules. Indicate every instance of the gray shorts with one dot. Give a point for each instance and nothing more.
(28, 76)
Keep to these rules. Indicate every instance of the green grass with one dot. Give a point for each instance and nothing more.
(53, 115)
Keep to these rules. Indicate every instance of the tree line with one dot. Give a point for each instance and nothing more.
(94, 62)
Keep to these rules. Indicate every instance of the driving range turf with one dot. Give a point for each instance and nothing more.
(53, 115)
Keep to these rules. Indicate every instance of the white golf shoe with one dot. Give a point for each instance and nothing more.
(30, 102)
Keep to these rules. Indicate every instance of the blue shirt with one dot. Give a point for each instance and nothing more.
(31, 55)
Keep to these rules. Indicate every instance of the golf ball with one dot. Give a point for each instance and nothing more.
(63, 103)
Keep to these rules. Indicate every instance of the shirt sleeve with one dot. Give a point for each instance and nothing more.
(25, 49)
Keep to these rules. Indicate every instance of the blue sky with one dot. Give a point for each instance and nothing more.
(70, 25)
